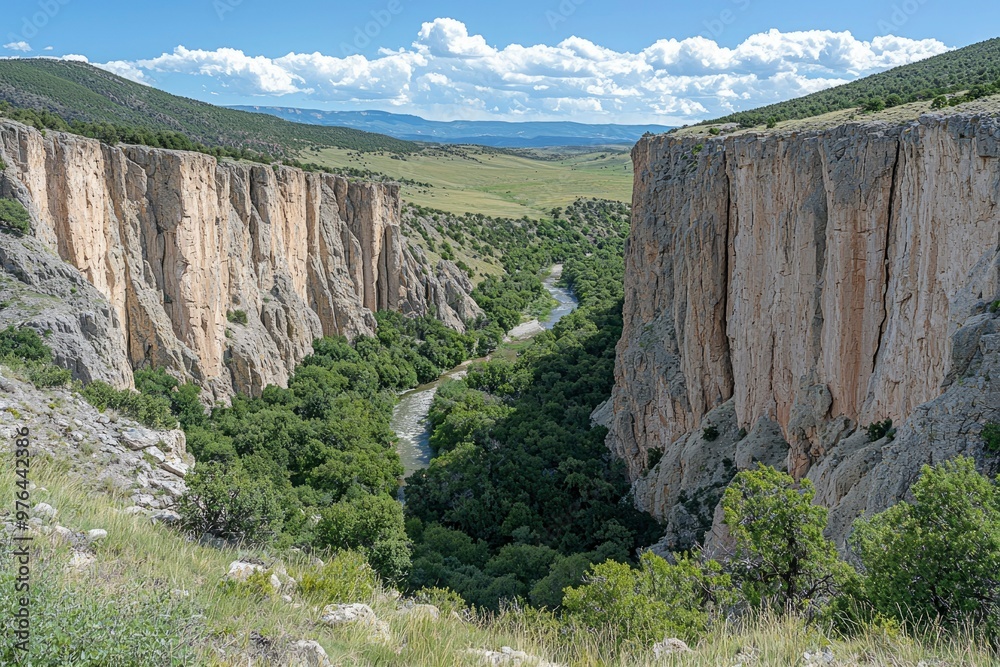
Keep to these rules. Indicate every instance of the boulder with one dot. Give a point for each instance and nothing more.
(307, 653)
(670, 646)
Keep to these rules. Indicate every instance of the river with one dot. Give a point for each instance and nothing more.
(409, 418)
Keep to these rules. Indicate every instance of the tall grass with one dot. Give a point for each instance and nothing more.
(151, 582)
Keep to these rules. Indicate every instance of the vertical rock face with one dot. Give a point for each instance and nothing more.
(181, 246)
(815, 282)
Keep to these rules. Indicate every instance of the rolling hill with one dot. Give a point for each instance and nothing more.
(499, 134)
(78, 91)
(959, 70)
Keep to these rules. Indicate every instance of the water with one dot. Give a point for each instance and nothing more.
(409, 417)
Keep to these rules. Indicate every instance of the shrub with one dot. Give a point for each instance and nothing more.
(939, 102)
(24, 349)
(372, 524)
(879, 430)
(153, 411)
(257, 585)
(936, 559)
(346, 577)
(643, 605)
(237, 317)
(14, 217)
(991, 436)
(710, 433)
(223, 500)
(446, 600)
(782, 557)
(714, 131)
(48, 375)
(81, 624)
(23, 343)
(875, 105)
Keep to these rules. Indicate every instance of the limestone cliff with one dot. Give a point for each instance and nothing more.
(175, 247)
(788, 289)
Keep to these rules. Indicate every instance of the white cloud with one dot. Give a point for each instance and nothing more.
(448, 73)
(21, 46)
(48, 48)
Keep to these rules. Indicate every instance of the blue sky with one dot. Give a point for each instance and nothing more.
(589, 60)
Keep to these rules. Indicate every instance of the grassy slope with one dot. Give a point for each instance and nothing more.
(895, 115)
(470, 180)
(978, 64)
(139, 557)
(77, 91)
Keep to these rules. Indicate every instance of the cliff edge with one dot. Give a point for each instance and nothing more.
(784, 291)
(222, 272)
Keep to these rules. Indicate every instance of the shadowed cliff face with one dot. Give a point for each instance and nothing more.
(800, 286)
(177, 243)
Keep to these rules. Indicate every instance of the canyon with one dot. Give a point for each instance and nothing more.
(783, 291)
(221, 272)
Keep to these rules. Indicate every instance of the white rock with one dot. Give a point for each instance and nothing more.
(96, 535)
(360, 614)
(339, 614)
(62, 534)
(44, 511)
(670, 646)
(508, 656)
(165, 516)
(307, 654)
(81, 560)
(156, 453)
(175, 466)
(135, 509)
(136, 439)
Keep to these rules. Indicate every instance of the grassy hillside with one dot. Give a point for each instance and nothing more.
(78, 91)
(512, 184)
(959, 70)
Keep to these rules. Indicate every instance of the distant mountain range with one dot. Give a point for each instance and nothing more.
(499, 134)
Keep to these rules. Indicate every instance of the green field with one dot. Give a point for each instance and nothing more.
(471, 179)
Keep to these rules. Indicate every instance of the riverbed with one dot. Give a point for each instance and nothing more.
(409, 417)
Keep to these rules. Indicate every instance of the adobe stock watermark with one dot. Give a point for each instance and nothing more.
(563, 12)
(363, 35)
(223, 7)
(727, 17)
(33, 24)
(901, 14)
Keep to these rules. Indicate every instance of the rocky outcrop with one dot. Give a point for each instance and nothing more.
(221, 272)
(812, 284)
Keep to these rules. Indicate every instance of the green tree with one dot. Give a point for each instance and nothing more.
(226, 501)
(782, 556)
(936, 558)
(370, 524)
(649, 602)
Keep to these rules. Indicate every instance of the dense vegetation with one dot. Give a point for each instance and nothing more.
(975, 68)
(24, 351)
(522, 494)
(14, 217)
(322, 447)
(80, 92)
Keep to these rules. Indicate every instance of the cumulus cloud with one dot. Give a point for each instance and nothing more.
(21, 46)
(447, 72)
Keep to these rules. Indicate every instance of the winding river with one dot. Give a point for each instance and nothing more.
(409, 418)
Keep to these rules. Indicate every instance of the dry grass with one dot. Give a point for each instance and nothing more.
(138, 555)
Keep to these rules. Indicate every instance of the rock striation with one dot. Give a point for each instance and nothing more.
(221, 272)
(790, 289)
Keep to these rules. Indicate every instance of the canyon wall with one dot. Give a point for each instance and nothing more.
(784, 291)
(222, 272)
